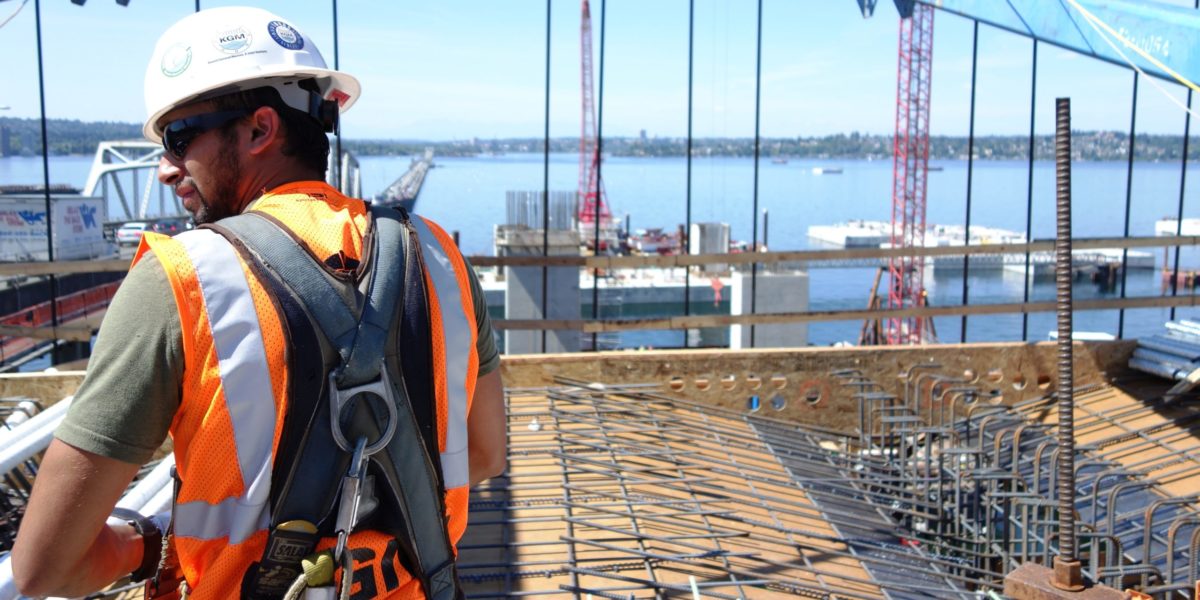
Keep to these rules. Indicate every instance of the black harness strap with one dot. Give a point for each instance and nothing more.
(407, 470)
(305, 440)
(417, 366)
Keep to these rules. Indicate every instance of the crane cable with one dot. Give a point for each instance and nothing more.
(1097, 24)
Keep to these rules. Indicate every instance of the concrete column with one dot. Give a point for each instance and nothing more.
(781, 292)
(523, 289)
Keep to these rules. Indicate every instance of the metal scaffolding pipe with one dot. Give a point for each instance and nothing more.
(23, 428)
(32, 436)
(142, 497)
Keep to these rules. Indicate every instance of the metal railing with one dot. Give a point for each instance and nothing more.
(686, 321)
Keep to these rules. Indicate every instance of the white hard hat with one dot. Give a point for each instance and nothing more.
(223, 50)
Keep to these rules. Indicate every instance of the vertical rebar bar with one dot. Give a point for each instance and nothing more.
(337, 132)
(1066, 567)
(1029, 192)
(687, 231)
(546, 183)
(1187, 126)
(1128, 201)
(599, 180)
(37, 11)
(757, 144)
(966, 290)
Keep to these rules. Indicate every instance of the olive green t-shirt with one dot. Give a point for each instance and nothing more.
(127, 401)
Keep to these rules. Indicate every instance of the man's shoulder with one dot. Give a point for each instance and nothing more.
(434, 227)
(189, 235)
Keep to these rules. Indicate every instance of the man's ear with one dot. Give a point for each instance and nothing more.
(266, 129)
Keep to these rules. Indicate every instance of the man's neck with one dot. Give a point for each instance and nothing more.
(269, 179)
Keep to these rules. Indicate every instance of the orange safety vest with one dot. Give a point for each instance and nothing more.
(235, 358)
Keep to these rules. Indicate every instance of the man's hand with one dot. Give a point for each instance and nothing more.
(64, 547)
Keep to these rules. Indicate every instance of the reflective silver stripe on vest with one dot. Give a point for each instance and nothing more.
(456, 330)
(246, 383)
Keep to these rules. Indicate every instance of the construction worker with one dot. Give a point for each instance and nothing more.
(326, 369)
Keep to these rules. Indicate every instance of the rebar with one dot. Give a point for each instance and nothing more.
(623, 489)
(1066, 382)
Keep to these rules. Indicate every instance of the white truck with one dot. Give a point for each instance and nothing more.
(77, 227)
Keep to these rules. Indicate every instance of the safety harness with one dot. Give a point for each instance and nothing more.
(354, 418)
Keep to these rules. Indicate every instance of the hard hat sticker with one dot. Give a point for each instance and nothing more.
(233, 40)
(285, 35)
(176, 60)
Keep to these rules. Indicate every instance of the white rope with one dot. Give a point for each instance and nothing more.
(14, 13)
(1096, 24)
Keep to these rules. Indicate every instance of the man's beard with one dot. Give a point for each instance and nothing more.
(223, 191)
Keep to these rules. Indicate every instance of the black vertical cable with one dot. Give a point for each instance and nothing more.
(546, 183)
(687, 231)
(1187, 126)
(757, 140)
(970, 174)
(1128, 201)
(1029, 193)
(37, 11)
(337, 133)
(599, 164)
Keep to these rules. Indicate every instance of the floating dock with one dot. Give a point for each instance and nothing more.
(877, 234)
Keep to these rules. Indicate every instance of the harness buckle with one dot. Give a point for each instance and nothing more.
(340, 399)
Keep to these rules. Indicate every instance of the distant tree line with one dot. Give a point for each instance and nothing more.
(22, 137)
(1085, 145)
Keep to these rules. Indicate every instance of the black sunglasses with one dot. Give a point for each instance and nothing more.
(178, 134)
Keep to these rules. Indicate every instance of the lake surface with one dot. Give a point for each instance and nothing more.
(468, 195)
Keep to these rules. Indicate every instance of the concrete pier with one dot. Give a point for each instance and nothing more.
(776, 292)
(523, 289)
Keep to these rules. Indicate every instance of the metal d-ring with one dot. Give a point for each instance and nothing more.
(338, 398)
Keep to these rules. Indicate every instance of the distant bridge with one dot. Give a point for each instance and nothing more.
(404, 191)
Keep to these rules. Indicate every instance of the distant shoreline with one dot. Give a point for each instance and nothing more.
(484, 155)
(21, 137)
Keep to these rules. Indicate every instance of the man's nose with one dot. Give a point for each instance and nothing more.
(169, 173)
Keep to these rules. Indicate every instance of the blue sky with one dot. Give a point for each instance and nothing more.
(455, 69)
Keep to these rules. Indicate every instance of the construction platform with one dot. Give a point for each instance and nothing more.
(920, 472)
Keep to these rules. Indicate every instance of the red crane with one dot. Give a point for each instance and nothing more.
(591, 200)
(910, 170)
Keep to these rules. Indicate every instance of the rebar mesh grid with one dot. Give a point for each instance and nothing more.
(619, 492)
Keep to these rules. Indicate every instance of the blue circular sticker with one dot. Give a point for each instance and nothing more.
(285, 35)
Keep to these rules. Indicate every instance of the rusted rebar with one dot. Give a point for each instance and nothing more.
(1067, 571)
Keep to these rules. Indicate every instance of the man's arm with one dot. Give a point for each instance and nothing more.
(64, 547)
(487, 429)
(120, 415)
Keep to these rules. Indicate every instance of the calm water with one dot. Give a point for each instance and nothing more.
(468, 195)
